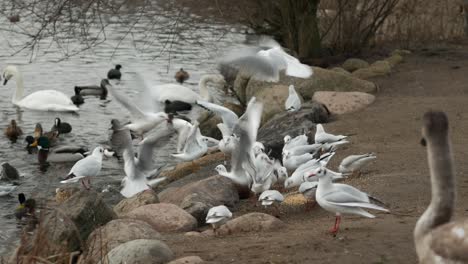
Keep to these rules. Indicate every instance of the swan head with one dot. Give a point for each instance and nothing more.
(8, 73)
(221, 169)
(435, 126)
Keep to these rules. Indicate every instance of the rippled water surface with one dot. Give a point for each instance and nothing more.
(196, 53)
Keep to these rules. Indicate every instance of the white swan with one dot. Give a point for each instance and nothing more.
(439, 239)
(177, 92)
(44, 100)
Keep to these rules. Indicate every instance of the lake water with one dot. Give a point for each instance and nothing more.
(196, 53)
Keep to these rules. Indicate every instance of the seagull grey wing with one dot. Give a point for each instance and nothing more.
(148, 145)
(86, 167)
(225, 131)
(132, 108)
(338, 197)
(351, 159)
(192, 143)
(229, 117)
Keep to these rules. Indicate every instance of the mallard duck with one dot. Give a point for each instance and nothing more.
(60, 154)
(115, 73)
(77, 99)
(181, 76)
(26, 207)
(13, 131)
(61, 127)
(51, 135)
(94, 90)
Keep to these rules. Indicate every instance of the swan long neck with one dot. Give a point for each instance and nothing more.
(203, 86)
(440, 209)
(19, 92)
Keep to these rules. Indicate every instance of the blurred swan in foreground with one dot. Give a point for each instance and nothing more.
(437, 238)
(43, 100)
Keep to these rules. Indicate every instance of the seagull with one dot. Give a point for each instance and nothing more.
(242, 167)
(263, 177)
(308, 189)
(293, 162)
(323, 137)
(217, 216)
(342, 198)
(142, 122)
(139, 169)
(354, 163)
(265, 64)
(270, 197)
(6, 189)
(290, 142)
(298, 175)
(300, 150)
(86, 168)
(195, 145)
(293, 102)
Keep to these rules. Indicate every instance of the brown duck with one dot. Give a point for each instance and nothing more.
(13, 131)
(181, 76)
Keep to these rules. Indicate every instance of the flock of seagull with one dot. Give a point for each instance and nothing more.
(164, 114)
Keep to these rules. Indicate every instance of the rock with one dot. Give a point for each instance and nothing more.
(198, 197)
(8, 173)
(116, 232)
(240, 85)
(401, 52)
(64, 193)
(378, 68)
(272, 133)
(344, 102)
(129, 204)
(183, 169)
(353, 64)
(193, 234)
(140, 251)
(187, 260)
(340, 70)
(76, 218)
(273, 100)
(111, 195)
(252, 222)
(164, 217)
(394, 59)
(321, 80)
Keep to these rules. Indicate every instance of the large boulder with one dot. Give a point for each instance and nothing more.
(394, 59)
(353, 64)
(340, 70)
(198, 197)
(71, 223)
(378, 68)
(273, 100)
(116, 232)
(252, 222)
(344, 102)
(140, 251)
(321, 80)
(187, 260)
(272, 133)
(209, 120)
(164, 217)
(140, 199)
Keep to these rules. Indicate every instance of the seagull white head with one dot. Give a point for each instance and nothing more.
(221, 169)
(282, 173)
(98, 151)
(287, 138)
(319, 172)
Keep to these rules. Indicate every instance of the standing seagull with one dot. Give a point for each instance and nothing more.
(341, 198)
(115, 74)
(217, 216)
(323, 137)
(139, 169)
(293, 103)
(437, 238)
(86, 168)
